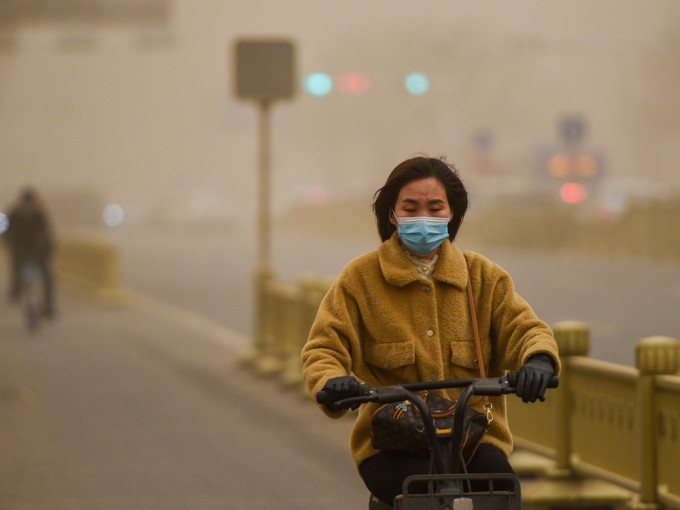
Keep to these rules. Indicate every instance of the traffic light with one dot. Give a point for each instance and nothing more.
(576, 174)
(573, 193)
(354, 83)
(318, 84)
(417, 84)
(573, 166)
(359, 83)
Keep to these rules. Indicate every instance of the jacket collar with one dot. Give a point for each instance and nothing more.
(399, 271)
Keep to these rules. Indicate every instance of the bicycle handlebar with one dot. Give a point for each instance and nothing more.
(490, 386)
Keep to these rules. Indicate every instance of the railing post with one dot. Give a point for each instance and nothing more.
(275, 324)
(291, 302)
(655, 355)
(573, 339)
(312, 290)
(264, 274)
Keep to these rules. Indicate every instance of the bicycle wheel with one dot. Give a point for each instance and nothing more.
(30, 295)
(31, 316)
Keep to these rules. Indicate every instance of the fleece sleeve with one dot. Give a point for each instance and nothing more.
(328, 351)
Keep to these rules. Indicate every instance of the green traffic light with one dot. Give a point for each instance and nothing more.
(318, 84)
(417, 84)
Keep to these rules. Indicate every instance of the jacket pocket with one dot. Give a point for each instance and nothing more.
(464, 354)
(390, 355)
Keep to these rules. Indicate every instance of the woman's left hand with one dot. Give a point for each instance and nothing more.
(533, 378)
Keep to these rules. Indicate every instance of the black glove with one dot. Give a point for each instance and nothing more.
(534, 376)
(339, 388)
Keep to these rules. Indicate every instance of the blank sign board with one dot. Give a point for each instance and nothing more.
(264, 69)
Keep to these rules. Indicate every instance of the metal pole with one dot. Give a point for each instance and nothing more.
(263, 248)
(264, 272)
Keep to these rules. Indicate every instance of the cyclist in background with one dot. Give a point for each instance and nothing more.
(29, 237)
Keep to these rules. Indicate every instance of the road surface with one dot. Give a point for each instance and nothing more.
(144, 407)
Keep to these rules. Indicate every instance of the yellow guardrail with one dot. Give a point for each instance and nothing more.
(88, 263)
(611, 433)
(609, 422)
(91, 264)
(285, 315)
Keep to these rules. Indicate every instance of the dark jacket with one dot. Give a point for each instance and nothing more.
(29, 234)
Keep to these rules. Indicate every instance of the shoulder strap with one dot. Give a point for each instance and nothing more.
(480, 356)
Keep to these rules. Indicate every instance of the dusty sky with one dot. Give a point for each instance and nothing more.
(146, 124)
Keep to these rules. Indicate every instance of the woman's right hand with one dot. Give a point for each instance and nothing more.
(339, 388)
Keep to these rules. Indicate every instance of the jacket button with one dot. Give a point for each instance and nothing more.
(426, 288)
(429, 332)
(475, 363)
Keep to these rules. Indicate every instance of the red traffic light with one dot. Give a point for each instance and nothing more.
(573, 193)
(354, 83)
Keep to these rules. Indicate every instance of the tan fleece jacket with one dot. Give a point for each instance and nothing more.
(386, 325)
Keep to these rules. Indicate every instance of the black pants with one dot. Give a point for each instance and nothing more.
(385, 472)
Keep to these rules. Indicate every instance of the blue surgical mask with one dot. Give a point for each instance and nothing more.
(422, 234)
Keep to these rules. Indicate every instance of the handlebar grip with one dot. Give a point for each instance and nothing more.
(322, 397)
(554, 381)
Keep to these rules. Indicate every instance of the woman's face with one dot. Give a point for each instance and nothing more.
(424, 197)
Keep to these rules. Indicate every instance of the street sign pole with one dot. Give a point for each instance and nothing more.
(264, 194)
(264, 73)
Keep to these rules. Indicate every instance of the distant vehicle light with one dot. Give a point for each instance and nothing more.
(354, 83)
(573, 193)
(113, 215)
(563, 165)
(559, 165)
(316, 196)
(318, 84)
(587, 165)
(417, 84)
(4, 223)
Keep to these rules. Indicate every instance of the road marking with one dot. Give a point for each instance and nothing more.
(191, 320)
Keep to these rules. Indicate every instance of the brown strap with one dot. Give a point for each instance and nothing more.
(478, 342)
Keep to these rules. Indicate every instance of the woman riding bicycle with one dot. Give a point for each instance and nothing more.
(401, 314)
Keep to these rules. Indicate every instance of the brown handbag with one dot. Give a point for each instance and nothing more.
(399, 426)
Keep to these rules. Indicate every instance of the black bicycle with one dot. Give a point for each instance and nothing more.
(449, 486)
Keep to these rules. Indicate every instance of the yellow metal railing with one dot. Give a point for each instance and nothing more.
(667, 389)
(612, 422)
(92, 265)
(606, 422)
